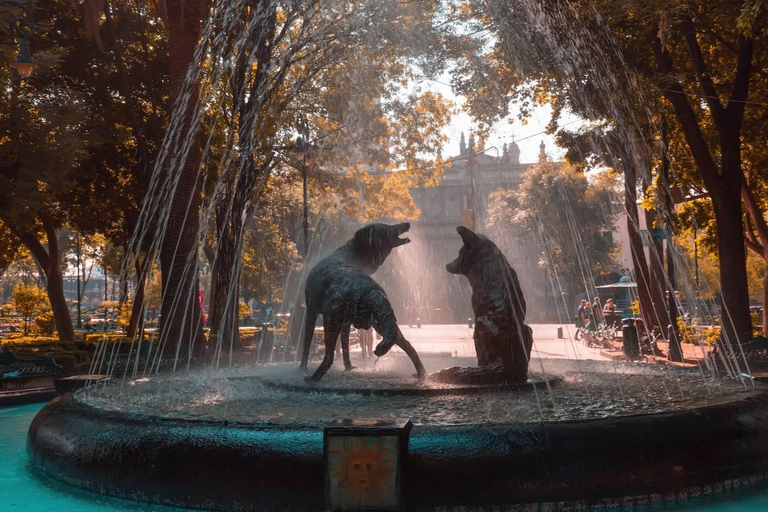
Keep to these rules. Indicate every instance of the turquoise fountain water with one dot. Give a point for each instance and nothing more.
(23, 489)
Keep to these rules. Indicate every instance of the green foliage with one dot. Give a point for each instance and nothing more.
(627, 67)
(712, 335)
(568, 216)
(124, 313)
(29, 300)
(686, 331)
(20, 340)
(7, 309)
(10, 248)
(45, 322)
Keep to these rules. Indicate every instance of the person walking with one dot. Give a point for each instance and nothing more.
(582, 318)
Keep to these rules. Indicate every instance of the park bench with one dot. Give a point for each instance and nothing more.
(18, 372)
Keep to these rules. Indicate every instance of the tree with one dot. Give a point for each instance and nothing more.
(570, 218)
(28, 300)
(96, 163)
(600, 146)
(276, 59)
(40, 148)
(698, 61)
(130, 98)
(10, 247)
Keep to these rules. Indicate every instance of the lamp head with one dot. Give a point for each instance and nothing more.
(24, 64)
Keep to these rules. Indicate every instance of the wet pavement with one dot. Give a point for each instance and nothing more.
(456, 339)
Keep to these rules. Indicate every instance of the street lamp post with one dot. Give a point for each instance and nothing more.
(79, 312)
(471, 164)
(675, 351)
(23, 64)
(696, 256)
(472, 190)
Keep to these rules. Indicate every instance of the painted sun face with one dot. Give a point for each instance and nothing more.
(362, 472)
(363, 469)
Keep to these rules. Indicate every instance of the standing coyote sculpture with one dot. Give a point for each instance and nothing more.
(340, 288)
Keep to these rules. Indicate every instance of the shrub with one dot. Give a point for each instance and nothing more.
(7, 309)
(20, 339)
(45, 323)
(67, 361)
(29, 300)
(124, 313)
(108, 336)
(82, 356)
(687, 334)
(82, 368)
(713, 335)
(84, 345)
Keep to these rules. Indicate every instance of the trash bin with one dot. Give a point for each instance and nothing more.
(631, 342)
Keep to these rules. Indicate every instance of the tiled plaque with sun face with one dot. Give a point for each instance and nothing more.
(364, 460)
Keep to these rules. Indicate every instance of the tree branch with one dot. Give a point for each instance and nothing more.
(675, 94)
(700, 67)
(32, 243)
(751, 240)
(736, 104)
(754, 212)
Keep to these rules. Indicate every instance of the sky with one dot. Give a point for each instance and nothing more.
(528, 136)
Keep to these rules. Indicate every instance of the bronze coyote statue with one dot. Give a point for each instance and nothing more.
(340, 288)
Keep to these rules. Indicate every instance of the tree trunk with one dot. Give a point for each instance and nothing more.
(734, 317)
(736, 322)
(137, 309)
(181, 329)
(758, 243)
(639, 263)
(765, 295)
(231, 213)
(50, 260)
(723, 183)
(223, 279)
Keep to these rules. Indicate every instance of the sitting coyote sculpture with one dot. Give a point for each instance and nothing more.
(340, 288)
(501, 336)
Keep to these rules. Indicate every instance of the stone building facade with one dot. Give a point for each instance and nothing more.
(432, 294)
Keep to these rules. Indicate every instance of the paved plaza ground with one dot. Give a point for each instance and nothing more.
(457, 339)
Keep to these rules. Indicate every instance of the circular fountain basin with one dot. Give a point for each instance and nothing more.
(624, 434)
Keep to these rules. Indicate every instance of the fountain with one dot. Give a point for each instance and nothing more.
(196, 429)
(263, 438)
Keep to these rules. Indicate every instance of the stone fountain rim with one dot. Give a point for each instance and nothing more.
(623, 456)
(76, 401)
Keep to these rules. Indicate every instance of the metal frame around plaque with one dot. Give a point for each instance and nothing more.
(364, 461)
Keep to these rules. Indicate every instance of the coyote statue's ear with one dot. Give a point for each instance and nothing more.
(467, 235)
